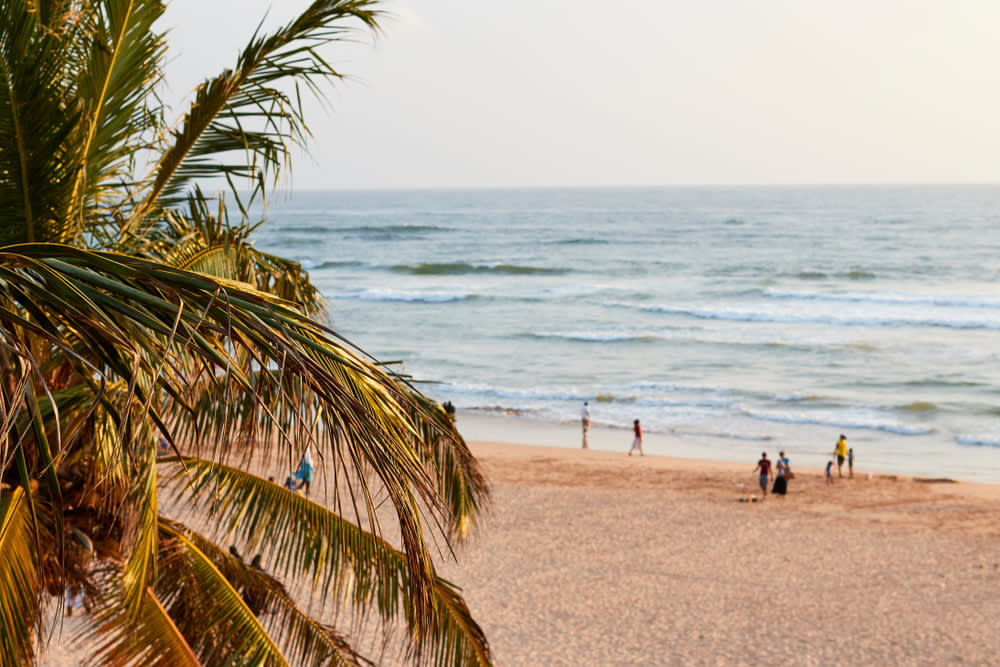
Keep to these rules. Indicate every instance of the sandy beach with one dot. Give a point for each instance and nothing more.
(597, 558)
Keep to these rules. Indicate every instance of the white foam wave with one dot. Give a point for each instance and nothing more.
(979, 440)
(598, 336)
(738, 315)
(905, 298)
(841, 423)
(409, 297)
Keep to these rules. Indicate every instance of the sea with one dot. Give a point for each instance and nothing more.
(729, 320)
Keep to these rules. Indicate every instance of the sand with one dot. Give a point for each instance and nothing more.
(603, 559)
(597, 558)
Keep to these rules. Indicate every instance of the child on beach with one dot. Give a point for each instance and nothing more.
(829, 471)
(850, 463)
(637, 441)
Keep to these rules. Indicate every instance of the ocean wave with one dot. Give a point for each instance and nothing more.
(409, 297)
(978, 441)
(597, 336)
(305, 229)
(581, 242)
(391, 229)
(490, 393)
(723, 435)
(517, 394)
(797, 398)
(903, 298)
(842, 424)
(810, 275)
(461, 268)
(332, 264)
(756, 316)
(917, 406)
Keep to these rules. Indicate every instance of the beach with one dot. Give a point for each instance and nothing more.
(598, 558)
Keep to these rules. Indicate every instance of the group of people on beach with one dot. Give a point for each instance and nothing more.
(636, 430)
(781, 467)
(841, 453)
(783, 473)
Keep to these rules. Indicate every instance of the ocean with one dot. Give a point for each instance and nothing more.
(730, 320)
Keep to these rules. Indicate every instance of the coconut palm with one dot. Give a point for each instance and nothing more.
(154, 365)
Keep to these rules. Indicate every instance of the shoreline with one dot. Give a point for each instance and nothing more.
(484, 426)
(716, 479)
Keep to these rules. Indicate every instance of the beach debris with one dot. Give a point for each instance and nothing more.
(749, 499)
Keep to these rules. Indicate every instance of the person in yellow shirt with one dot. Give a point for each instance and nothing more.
(841, 454)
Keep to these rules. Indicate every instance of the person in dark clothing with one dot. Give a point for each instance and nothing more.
(764, 466)
(781, 475)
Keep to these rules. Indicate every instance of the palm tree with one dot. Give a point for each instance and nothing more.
(153, 364)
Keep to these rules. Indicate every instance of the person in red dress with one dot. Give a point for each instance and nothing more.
(637, 441)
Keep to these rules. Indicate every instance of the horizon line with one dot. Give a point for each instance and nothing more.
(638, 187)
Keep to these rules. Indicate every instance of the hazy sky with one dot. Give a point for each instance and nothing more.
(469, 93)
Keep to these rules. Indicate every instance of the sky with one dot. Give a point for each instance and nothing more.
(577, 93)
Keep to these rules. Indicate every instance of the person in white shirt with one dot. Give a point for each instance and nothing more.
(585, 419)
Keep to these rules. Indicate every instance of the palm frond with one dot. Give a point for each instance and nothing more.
(140, 569)
(147, 638)
(39, 116)
(460, 480)
(120, 71)
(204, 241)
(125, 311)
(220, 627)
(344, 562)
(304, 640)
(243, 112)
(19, 582)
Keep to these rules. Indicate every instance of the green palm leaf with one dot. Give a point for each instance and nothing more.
(207, 609)
(115, 85)
(459, 479)
(151, 638)
(224, 117)
(39, 120)
(304, 640)
(126, 310)
(19, 584)
(132, 309)
(343, 562)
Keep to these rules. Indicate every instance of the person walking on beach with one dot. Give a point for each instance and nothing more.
(850, 463)
(841, 453)
(637, 440)
(829, 471)
(585, 420)
(764, 465)
(781, 475)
